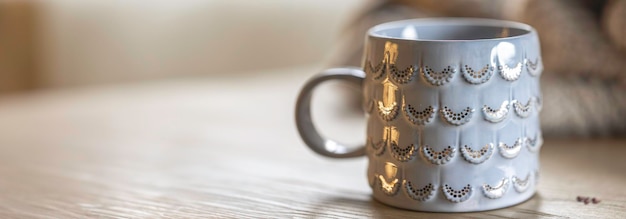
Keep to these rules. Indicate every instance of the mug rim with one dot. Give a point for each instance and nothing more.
(373, 32)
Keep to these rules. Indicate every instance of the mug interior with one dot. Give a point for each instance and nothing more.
(446, 29)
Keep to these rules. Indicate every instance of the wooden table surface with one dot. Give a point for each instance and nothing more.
(227, 147)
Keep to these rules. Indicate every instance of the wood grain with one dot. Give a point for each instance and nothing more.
(227, 148)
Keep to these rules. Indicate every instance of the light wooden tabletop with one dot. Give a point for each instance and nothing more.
(198, 148)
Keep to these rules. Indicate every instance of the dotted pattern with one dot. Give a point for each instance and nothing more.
(521, 185)
(496, 115)
(422, 194)
(421, 118)
(375, 72)
(402, 154)
(421, 115)
(456, 118)
(402, 76)
(477, 77)
(448, 153)
(497, 191)
(478, 156)
(457, 195)
(510, 151)
(418, 117)
(510, 74)
(532, 68)
(438, 78)
(522, 110)
(387, 113)
(438, 157)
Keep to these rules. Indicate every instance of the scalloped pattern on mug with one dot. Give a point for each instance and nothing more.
(534, 144)
(533, 68)
(435, 78)
(437, 157)
(521, 185)
(378, 148)
(457, 119)
(510, 74)
(522, 110)
(477, 156)
(510, 151)
(457, 196)
(376, 72)
(389, 188)
(497, 191)
(438, 78)
(477, 76)
(402, 76)
(418, 117)
(402, 154)
(387, 113)
(421, 194)
(496, 115)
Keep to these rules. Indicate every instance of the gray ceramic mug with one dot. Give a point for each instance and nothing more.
(452, 108)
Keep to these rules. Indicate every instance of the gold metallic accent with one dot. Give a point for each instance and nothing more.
(391, 53)
(390, 139)
(389, 182)
(391, 135)
(388, 108)
(389, 92)
(391, 170)
(389, 188)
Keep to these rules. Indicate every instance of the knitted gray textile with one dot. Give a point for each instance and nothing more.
(584, 81)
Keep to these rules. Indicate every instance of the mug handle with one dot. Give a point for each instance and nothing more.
(308, 133)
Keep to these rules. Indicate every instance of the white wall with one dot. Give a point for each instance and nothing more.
(87, 42)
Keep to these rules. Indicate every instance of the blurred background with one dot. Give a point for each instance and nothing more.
(52, 44)
(62, 44)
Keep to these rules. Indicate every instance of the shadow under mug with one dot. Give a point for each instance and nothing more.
(452, 107)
